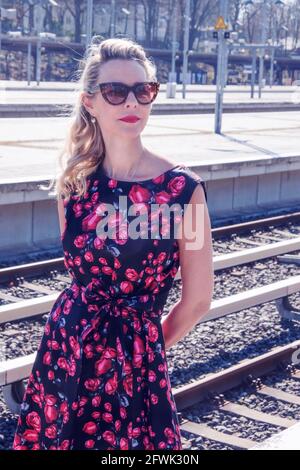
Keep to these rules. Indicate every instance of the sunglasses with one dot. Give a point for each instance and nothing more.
(116, 92)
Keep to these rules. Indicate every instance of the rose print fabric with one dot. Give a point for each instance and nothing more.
(100, 378)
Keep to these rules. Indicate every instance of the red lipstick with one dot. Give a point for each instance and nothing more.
(131, 119)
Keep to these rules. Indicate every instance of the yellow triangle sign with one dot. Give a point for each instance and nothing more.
(220, 23)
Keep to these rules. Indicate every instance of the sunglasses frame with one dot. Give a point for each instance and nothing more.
(101, 87)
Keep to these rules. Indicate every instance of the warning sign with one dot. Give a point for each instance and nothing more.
(220, 23)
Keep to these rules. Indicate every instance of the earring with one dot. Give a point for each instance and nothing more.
(93, 120)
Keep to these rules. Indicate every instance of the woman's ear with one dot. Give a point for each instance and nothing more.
(86, 101)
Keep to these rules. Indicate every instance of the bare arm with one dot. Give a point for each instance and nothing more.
(197, 274)
(61, 216)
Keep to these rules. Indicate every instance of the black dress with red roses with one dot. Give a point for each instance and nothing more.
(100, 377)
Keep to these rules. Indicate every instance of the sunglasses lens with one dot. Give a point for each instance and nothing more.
(114, 93)
(146, 92)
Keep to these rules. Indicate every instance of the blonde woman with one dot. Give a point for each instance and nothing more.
(100, 379)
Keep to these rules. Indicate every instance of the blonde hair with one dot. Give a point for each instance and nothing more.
(84, 147)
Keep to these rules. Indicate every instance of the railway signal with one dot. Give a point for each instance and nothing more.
(221, 34)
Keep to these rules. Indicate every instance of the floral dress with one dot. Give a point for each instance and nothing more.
(100, 377)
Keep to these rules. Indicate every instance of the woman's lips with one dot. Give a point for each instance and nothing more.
(130, 119)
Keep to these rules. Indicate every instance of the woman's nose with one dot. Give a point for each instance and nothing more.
(131, 97)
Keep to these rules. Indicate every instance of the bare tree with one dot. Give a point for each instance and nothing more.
(76, 8)
(23, 8)
(236, 7)
(150, 15)
(203, 13)
(48, 24)
(294, 16)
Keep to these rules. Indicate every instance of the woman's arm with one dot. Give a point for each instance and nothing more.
(197, 273)
(61, 216)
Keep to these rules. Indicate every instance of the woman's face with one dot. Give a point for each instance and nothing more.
(108, 116)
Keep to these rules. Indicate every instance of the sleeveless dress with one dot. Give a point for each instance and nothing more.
(100, 377)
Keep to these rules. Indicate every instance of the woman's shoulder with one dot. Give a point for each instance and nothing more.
(189, 172)
(189, 179)
(165, 165)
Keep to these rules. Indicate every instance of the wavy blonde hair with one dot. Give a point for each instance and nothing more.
(84, 147)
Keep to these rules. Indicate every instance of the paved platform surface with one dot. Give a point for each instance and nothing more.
(289, 439)
(29, 147)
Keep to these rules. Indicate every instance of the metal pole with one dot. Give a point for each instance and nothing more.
(0, 23)
(225, 64)
(113, 14)
(272, 67)
(220, 69)
(28, 63)
(253, 71)
(38, 61)
(174, 44)
(38, 46)
(273, 48)
(262, 51)
(186, 46)
(89, 22)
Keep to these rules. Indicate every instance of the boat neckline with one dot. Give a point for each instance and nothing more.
(139, 181)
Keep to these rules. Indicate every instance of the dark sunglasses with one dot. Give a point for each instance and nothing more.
(116, 92)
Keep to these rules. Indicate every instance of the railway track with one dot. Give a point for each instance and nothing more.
(24, 291)
(27, 293)
(249, 375)
(283, 226)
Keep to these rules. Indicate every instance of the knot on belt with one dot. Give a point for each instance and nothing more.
(107, 315)
(113, 305)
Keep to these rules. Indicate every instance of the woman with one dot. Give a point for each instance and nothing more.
(100, 378)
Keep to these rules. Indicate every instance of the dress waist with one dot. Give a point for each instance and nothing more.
(92, 293)
(115, 308)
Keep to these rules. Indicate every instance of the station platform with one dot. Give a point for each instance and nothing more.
(289, 439)
(50, 91)
(17, 99)
(252, 169)
(29, 146)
